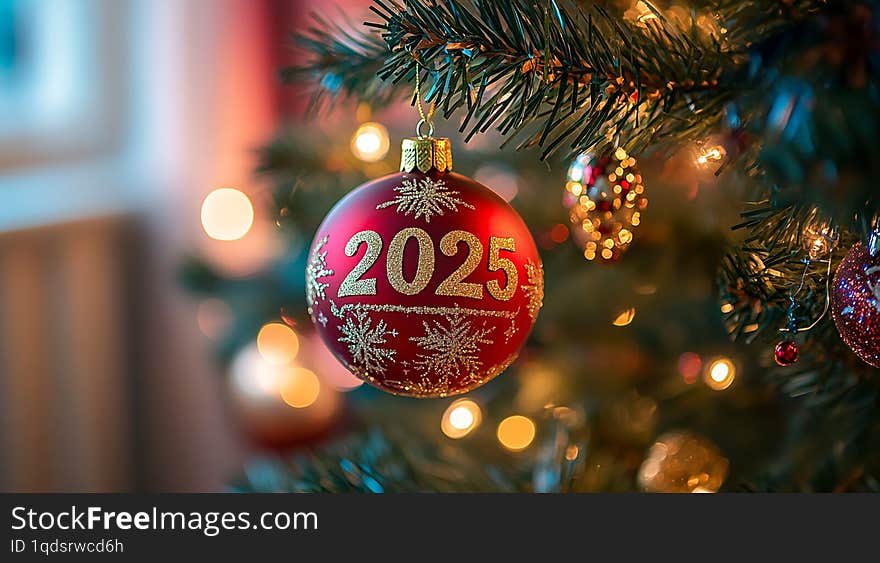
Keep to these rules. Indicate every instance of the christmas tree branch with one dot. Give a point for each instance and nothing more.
(558, 74)
(342, 63)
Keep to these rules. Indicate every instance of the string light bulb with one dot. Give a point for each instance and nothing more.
(819, 240)
(461, 418)
(711, 154)
(370, 143)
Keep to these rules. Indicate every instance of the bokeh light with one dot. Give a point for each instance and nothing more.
(277, 343)
(227, 214)
(461, 418)
(516, 432)
(254, 376)
(559, 233)
(370, 142)
(299, 387)
(689, 367)
(641, 12)
(214, 317)
(625, 317)
(682, 462)
(720, 374)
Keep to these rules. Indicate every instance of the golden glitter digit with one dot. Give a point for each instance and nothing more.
(352, 284)
(496, 245)
(425, 268)
(453, 286)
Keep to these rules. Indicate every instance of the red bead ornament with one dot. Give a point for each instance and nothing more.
(855, 303)
(786, 353)
(424, 283)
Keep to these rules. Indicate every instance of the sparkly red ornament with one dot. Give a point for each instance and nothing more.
(855, 302)
(424, 283)
(786, 353)
(605, 197)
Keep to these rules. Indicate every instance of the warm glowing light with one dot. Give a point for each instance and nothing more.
(642, 12)
(646, 289)
(277, 343)
(625, 317)
(227, 214)
(819, 240)
(299, 387)
(516, 432)
(711, 154)
(461, 418)
(571, 452)
(726, 308)
(720, 374)
(370, 142)
(255, 376)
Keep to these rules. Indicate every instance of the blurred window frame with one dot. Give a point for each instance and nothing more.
(63, 90)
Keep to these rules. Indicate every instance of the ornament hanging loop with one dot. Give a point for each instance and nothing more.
(425, 118)
(421, 124)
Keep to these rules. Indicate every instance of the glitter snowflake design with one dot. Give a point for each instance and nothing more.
(364, 340)
(534, 290)
(452, 349)
(425, 198)
(315, 272)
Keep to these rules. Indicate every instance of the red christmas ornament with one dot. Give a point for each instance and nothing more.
(786, 353)
(855, 302)
(424, 283)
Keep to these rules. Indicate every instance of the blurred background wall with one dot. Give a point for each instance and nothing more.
(116, 118)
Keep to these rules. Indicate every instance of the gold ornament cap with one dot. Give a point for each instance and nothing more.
(424, 153)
